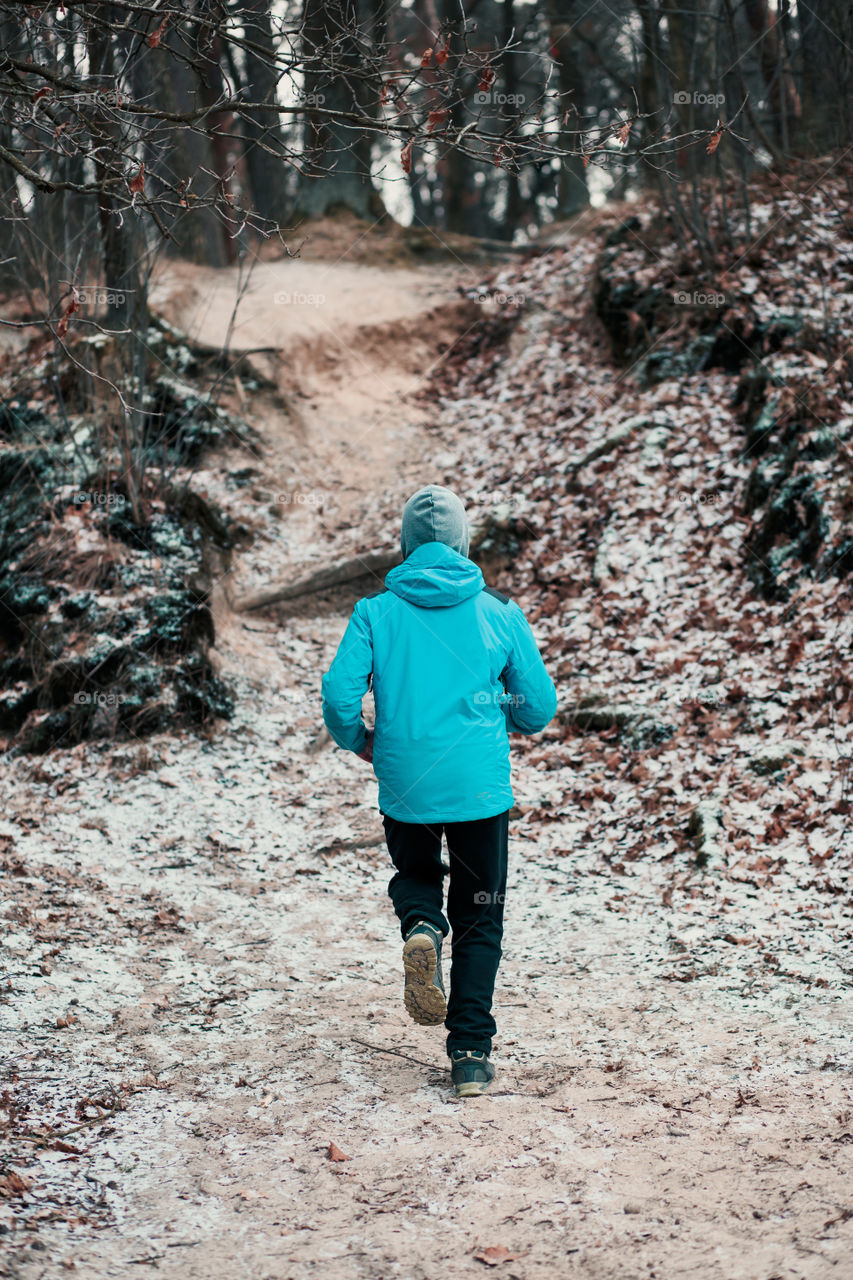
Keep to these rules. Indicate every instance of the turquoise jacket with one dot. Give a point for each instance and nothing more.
(455, 669)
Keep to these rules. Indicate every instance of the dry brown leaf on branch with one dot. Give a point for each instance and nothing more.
(156, 36)
(137, 182)
(62, 327)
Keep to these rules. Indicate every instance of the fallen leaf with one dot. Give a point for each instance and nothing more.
(494, 1254)
(335, 1153)
(13, 1185)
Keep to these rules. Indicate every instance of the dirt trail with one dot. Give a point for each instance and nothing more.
(212, 916)
(347, 346)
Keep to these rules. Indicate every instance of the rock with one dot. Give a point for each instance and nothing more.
(105, 623)
(775, 756)
(655, 441)
(16, 703)
(602, 566)
(759, 431)
(497, 539)
(639, 727)
(705, 829)
(624, 232)
(790, 533)
(838, 558)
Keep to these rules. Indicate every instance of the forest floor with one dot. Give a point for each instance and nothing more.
(208, 1069)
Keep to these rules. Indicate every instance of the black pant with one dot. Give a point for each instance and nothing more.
(475, 908)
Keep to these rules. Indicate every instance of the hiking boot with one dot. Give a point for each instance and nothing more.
(471, 1072)
(424, 995)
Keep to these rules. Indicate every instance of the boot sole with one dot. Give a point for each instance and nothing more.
(425, 1002)
(472, 1088)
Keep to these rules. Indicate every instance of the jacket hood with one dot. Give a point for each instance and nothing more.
(434, 576)
(434, 514)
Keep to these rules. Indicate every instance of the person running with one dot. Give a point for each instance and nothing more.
(454, 669)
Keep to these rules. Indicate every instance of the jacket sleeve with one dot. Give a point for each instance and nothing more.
(346, 682)
(533, 699)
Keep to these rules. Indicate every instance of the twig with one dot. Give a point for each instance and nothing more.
(46, 1138)
(398, 1054)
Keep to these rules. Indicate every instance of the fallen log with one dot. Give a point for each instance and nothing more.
(654, 424)
(602, 448)
(493, 544)
(372, 563)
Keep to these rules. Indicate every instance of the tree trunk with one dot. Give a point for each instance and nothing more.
(185, 154)
(781, 94)
(826, 42)
(265, 154)
(572, 191)
(456, 168)
(123, 243)
(336, 157)
(648, 87)
(514, 204)
(122, 239)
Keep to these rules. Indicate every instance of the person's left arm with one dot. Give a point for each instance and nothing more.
(346, 682)
(532, 701)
